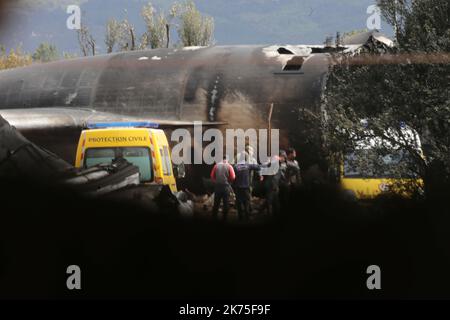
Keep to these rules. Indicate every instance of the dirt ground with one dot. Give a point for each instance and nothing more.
(203, 206)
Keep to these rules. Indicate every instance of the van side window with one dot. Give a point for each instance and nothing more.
(165, 158)
(164, 164)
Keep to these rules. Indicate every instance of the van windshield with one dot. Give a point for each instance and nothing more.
(369, 164)
(138, 156)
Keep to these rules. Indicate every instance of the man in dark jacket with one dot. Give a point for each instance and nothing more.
(223, 175)
(243, 172)
(284, 188)
(272, 187)
(293, 174)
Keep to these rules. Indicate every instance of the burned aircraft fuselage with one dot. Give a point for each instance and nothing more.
(231, 84)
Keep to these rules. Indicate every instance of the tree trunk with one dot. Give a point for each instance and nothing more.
(167, 35)
(133, 39)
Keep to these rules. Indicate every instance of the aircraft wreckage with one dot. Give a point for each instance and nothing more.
(221, 86)
(22, 159)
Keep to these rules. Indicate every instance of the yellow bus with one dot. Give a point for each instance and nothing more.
(365, 172)
(140, 143)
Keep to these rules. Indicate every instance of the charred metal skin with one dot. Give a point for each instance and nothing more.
(234, 85)
(226, 86)
(20, 157)
(197, 84)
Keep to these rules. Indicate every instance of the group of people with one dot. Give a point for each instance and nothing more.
(240, 178)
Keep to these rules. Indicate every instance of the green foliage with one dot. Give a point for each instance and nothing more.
(68, 55)
(127, 36)
(156, 35)
(409, 86)
(14, 59)
(86, 41)
(113, 34)
(120, 34)
(420, 25)
(194, 29)
(45, 53)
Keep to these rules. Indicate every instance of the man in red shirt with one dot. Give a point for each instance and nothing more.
(223, 175)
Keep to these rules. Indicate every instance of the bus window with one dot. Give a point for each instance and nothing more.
(369, 164)
(99, 156)
(138, 156)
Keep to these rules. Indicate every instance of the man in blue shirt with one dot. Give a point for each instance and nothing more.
(242, 186)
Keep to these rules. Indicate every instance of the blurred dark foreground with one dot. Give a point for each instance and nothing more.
(319, 248)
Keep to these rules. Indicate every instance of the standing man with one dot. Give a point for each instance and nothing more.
(254, 176)
(293, 174)
(293, 179)
(284, 187)
(223, 175)
(272, 187)
(243, 171)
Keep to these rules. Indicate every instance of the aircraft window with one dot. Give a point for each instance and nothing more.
(327, 49)
(295, 64)
(284, 51)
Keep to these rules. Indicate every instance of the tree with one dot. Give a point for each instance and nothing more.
(194, 29)
(68, 55)
(158, 26)
(121, 34)
(113, 34)
(155, 35)
(14, 59)
(45, 53)
(127, 38)
(173, 13)
(86, 41)
(408, 87)
(420, 25)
